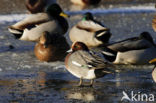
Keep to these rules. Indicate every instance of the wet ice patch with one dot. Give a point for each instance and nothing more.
(132, 9)
(12, 17)
(60, 67)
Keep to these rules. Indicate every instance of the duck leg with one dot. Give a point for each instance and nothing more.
(80, 83)
(91, 82)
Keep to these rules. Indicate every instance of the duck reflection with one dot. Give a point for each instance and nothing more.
(85, 94)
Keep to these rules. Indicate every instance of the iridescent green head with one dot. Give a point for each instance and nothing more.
(87, 16)
(55, 10)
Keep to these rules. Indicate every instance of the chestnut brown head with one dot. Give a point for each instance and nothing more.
(79, 46)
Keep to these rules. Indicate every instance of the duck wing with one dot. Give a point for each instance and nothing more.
(31, 21)
(90, 26)
(90, 60)
(130, 44)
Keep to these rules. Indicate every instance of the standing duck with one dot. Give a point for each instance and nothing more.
(36, 6)
(90, 32)
(85, 2)
(86, 65)
(51, 48)
(31, 28)
(137, 50)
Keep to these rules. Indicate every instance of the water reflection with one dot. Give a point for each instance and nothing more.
(45, 86)
(85, 94)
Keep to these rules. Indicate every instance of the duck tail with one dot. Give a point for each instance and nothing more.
(109, 54)
(16, 32)
(103, 35)
(108, 69)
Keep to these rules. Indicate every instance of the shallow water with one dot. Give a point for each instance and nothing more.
(24, 79)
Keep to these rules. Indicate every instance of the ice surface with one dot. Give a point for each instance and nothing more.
(25, 79)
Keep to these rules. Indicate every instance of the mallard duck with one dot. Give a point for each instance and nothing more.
(90, 32)
(86, 65)
(36, 6)
(137, 50)
(51, 48)
(85, 2)
(31, 28)
(153, 61)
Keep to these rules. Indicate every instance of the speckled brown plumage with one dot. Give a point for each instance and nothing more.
(52, 50)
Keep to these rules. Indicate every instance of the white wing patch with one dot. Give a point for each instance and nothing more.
(76, 63)
(101, 34)
(108, 53)
(79, 65)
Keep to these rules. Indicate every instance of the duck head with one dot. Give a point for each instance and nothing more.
(45, 39)
(87, 16)
(78, 46)
(147, 36)
(55, 10)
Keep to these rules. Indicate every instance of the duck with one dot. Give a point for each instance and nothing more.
(85, 2)
(37, 6)
(136, 50)
(153, 61)
(154, 23)
(90, 32)
(31, 28)
(51, 48)
(85, 64)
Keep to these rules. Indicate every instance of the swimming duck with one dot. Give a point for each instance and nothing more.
(31, 28)
(136, 50)
(90, 32)
(36, 6)
(85, 2)
(86, 65)
(153, 61)
(51, 48)
(154, 23)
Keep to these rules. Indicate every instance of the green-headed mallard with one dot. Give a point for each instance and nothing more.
(90, 32)
(136, 50)
(31, 28)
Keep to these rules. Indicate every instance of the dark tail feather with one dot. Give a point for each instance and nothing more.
(16, 32)
(103, 35)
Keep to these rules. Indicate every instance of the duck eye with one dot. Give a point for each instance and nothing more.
(75, 46)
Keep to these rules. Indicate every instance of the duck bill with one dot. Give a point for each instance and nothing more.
(152, 61)
(69, 51)
(64, 15)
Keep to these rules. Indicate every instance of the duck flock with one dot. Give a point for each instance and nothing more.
(91, 55)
